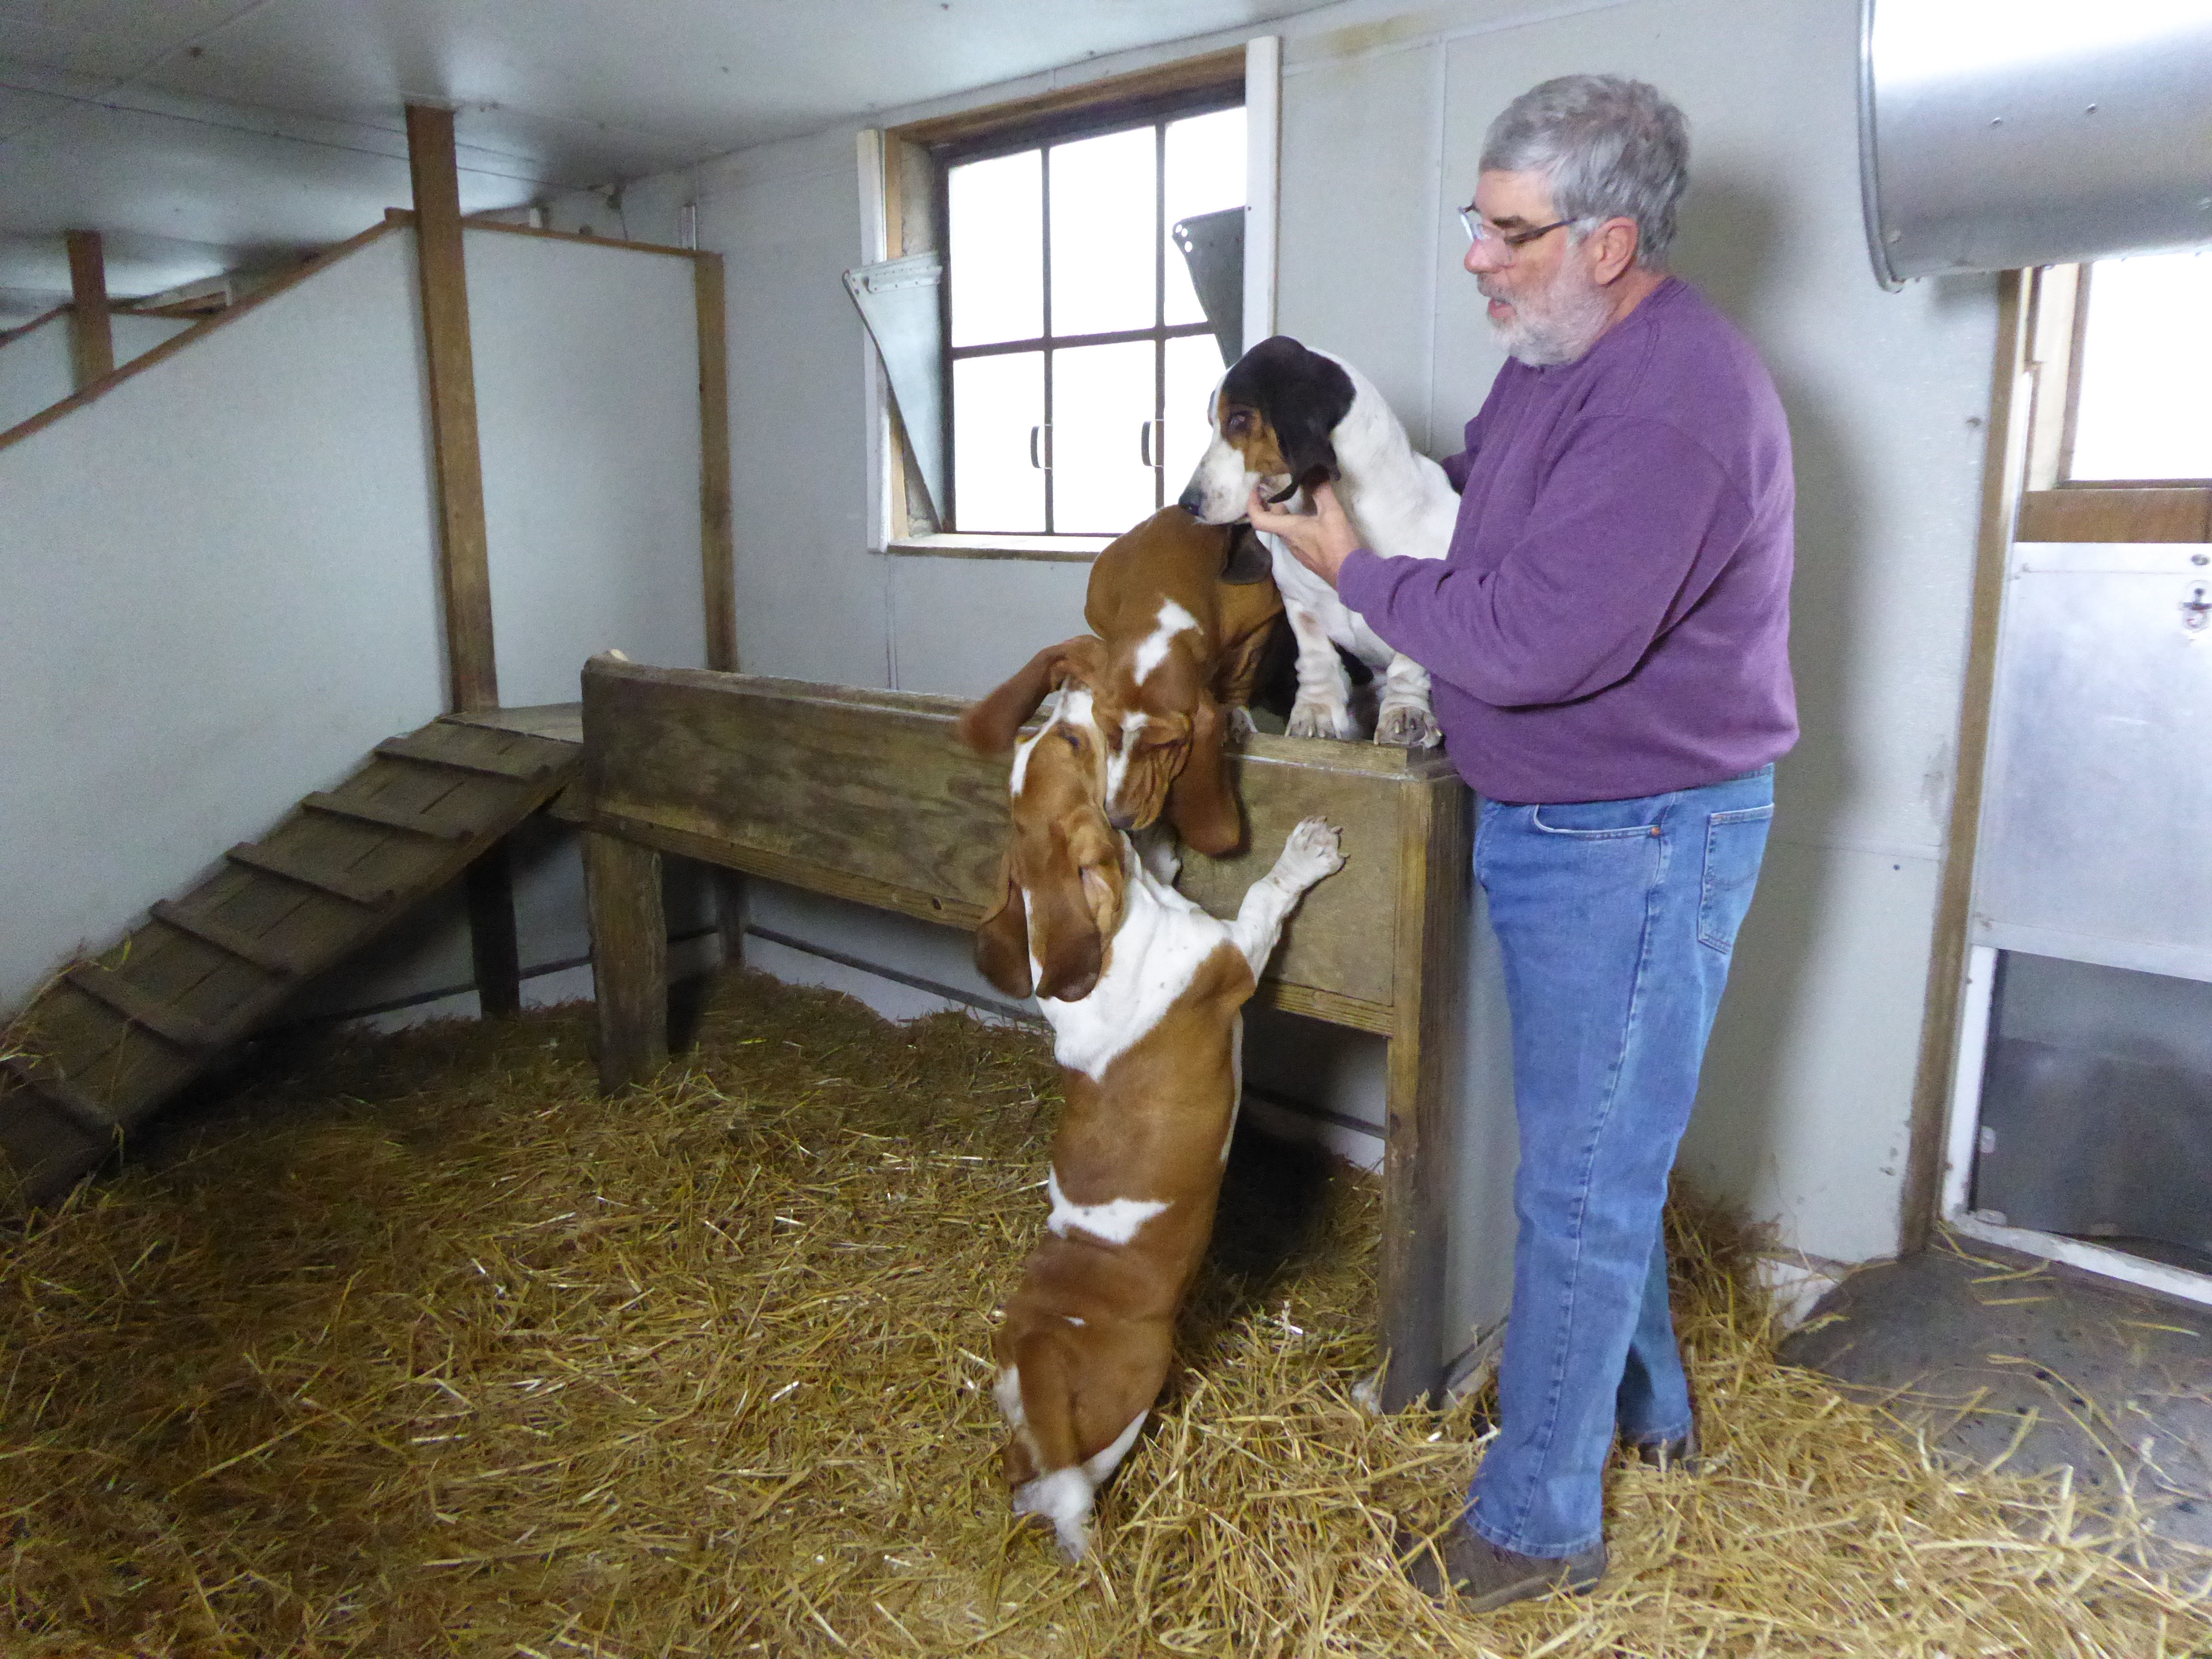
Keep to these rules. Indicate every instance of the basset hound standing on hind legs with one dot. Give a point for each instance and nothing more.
(1143, 991)
(1183, 612)
(1285, 418)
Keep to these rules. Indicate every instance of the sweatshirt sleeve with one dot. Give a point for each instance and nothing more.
(1608, 559)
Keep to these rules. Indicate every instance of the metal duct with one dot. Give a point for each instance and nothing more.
(1996, 134)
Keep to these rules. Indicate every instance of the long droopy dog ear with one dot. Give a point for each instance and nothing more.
(1002, 940)
(989, 727)
(1200, 803)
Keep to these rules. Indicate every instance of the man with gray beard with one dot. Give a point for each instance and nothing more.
(1608, 642)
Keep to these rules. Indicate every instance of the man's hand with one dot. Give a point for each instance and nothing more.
(1320, 539)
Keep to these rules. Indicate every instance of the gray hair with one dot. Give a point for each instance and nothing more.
(1613, 148)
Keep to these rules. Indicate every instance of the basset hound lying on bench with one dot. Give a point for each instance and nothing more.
(1181, 612)
(1285, 418)
(1143, 990)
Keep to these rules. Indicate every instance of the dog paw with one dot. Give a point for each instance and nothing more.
(1240, 723)
(1313, 849)
(1313, 718)
(1408, 725)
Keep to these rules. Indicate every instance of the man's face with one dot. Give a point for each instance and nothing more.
(1544, 305)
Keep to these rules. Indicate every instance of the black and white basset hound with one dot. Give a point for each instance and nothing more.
(1285, 418)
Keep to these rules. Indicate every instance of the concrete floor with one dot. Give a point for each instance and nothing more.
(1982, 1348)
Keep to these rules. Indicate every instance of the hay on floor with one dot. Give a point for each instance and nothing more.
(424, 1348)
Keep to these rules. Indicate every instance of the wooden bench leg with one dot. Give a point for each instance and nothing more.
(629, 957)
(492, 944)
(1433, 883)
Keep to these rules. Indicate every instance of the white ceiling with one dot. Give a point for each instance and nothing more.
(201, 135)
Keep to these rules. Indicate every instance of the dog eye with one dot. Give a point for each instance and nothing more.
(1071, 738)
(1237, 424)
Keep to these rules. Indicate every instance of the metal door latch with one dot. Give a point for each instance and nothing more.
(2196, 609)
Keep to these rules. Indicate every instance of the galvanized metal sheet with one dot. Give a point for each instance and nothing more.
(1212, 246)
(1996, 134)
(2093, 844)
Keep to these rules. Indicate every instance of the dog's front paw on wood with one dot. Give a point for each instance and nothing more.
(1312, 717)
(1313, 849)
(1407, 726)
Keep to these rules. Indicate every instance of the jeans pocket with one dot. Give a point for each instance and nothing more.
(1598, 820)
(1736, 844)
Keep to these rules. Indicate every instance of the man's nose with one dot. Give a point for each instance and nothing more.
(1481, 259)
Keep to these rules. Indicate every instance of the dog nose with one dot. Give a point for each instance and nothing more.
(1190, 501)
(1124, 822)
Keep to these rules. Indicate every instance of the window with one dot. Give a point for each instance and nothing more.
(1079, 357)
(2141, 409)
(2120, 436)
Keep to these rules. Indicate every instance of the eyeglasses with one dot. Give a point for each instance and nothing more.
(1480, 230)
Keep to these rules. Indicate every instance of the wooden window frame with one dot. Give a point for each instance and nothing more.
(2055, 507)
(903, 170)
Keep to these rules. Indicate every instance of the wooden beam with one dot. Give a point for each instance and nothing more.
(629, 957)
(92, 340)
(717, 553)
(465, 560)
(1434, 850)
(2118, 513)
(2003, 471)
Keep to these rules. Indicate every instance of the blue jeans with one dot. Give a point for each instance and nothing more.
(1615, 919)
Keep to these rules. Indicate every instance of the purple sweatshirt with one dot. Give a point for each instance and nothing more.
(1613, 618)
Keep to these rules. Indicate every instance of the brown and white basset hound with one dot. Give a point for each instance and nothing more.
(1285, 418)
(1181, 614)
(1143, 990)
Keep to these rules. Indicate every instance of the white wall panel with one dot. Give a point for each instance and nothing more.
(959, 627)
(810, 597)
(34, 370)
(588, 410)
(220, 592)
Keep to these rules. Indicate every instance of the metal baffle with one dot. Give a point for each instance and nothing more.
(1999, 134)
(899, 302)
(1212, 246)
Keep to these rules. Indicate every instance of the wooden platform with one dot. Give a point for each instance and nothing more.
(868, 795)
(107, 1043)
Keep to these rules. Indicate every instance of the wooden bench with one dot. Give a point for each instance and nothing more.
(868, 796)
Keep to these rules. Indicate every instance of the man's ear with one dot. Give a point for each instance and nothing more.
(1002, 940)
(990, 726)
(1200, 804)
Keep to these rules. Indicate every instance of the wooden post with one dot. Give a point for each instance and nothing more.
(465, 560)
(92, 339)
(1433, 879)
(717, 554)
(489, 886)
(629, 957)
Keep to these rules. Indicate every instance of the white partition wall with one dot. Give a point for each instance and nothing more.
(220, 591)
(587, 413)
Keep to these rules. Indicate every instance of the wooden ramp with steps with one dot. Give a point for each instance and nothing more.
(108, 1041)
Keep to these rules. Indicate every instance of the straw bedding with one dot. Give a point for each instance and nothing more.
(421, 1347)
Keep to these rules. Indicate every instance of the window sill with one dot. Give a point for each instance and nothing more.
(1049, 549)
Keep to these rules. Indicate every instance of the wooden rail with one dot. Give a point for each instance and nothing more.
(868, 796)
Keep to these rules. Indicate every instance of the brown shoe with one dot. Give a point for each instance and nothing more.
(1681, 1453)
(1482, 1576)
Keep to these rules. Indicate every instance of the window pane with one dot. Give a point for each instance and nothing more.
(997, 248)
(1205, 174)
(2145, 361)
(996, 401)
(1194, 370)
(1102, 395)
(1102, 234)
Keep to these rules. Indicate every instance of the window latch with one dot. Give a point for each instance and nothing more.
(1151, 443)
(1045, 464)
